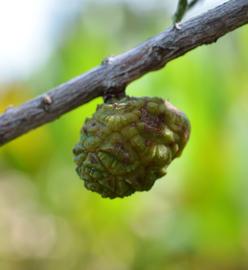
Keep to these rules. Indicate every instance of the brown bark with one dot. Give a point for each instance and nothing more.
(115, 73)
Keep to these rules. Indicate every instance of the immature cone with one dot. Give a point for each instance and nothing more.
(128, 144)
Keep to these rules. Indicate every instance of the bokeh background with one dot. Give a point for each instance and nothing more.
(194, 218)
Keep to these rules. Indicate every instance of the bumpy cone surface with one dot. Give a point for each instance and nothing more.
(128, 144)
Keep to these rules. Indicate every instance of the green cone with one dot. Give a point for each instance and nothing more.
(128, 144)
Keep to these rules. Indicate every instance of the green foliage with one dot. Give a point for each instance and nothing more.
(182, 7)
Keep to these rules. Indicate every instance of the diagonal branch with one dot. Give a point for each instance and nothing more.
(115, 73)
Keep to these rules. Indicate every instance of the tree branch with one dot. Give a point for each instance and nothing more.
(115, 73)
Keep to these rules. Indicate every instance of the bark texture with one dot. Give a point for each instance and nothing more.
(115, 73)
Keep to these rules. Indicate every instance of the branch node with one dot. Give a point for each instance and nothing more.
(107, 60)
(157, 54)
(9, 108)
(177, 26)
(46, 102)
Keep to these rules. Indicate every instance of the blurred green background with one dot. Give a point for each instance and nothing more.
(194, 218)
